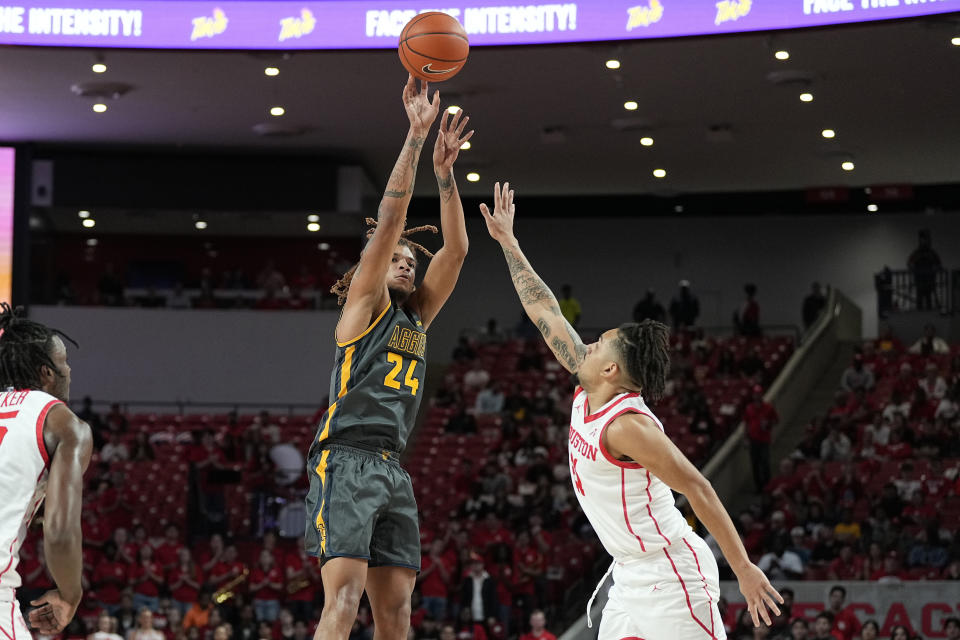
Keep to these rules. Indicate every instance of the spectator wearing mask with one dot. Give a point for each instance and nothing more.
(857, 376)
(813, 304)
(684, 308)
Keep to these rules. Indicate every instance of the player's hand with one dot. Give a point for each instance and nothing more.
(759, 594)
(500, 222)
(52, 614)
(420, 109)
(450, 138)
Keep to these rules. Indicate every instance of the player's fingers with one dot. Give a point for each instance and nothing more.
(485, 211)
(462, 124)
(762, 610)
(753, 614)
(771, 605)
(774, 593)
(505, 194)
(466, 137)
(496, 194)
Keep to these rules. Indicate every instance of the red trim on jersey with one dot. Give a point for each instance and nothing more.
(626, 517)
(705, 590)
(623, 464)
(41, 445)
(13, 624)
(596, 416)
(685, 593)
(650, 511)
(9, 564)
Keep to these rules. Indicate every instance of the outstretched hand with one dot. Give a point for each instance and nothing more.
(420, 109)
(450, 138)
(759, 594)
(52, 614)
(500, 222)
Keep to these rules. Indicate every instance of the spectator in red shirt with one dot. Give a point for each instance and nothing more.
(127, 551)
(109, 578)
(302, 572)
(538, 631)
(436, 573)
(266, 586)
(785, 481)
(845, 622)
(209, 558)
(490, 533)
(531, 566)
(184, 581)
(760, 418)
(169, 550)
(228, 568)
(146, 577)
(846, 566)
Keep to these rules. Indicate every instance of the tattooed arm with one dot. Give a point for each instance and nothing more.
(444, 269)
(535, 296)
(368, 290)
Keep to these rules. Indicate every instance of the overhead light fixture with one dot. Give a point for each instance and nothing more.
(613, 64)
(473, 176)
(466, 145)
(324, 246)
(828, 133)
(83, 213)
(313, 227)
(99, 107)
(659, 173)
(91, 242)
(271, 71)
(99, 68)
(89, 223)
(782, 55)
(847, 165)
(806, 97)
(452, 109)
(955, 41)
(646, 141)
(313, 218)
(630, 105)
(277, 111)
(872, 208)
(200, 224)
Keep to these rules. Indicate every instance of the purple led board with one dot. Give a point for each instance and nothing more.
(367, 24)
(7, 158)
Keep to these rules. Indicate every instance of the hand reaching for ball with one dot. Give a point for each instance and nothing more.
(450, 138)
(500, 222)
(420, 109)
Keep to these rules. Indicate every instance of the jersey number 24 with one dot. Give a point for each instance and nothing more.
(391, 380)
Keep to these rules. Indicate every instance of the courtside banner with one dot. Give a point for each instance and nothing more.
(368, 24)
(921, 606)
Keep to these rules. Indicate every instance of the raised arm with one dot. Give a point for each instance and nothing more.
(640, 439)
(368, 293)
(535, 296)
(69, 442)
(444, 269)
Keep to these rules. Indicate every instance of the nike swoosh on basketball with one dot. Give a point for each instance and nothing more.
(428, 68)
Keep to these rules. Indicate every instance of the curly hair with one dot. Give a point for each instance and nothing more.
(644, 348)
(25, 348)
(342, 286)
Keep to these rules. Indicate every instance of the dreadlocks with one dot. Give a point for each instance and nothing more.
(25, 348)
(645, 350)
(342, 286)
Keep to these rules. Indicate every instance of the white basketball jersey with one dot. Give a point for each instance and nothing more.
(23, 475)
(631, 510)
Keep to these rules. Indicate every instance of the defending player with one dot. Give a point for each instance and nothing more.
(38, 433)
(623, 467)
(362, 513)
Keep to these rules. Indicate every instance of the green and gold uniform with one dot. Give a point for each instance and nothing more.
(360, 503)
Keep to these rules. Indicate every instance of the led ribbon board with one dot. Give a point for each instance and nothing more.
(7, 157)
(368, 24)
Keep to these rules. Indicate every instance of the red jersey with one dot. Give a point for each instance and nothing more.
(258, 576)
(108, 579)
(434, 586)
(185, 592)
(852, 570)
(846, 624)
(760, 419)
(530, 558)
(167, 554)
(305, 593)
(148, 586)
(483, 537)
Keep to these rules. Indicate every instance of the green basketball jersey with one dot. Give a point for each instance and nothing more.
(375, 386)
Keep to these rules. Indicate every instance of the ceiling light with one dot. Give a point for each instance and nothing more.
(313, 227)
(659, 173)
(466, 145)
(955, 41)
(782, 55)
(473, 176)
(806, 97)
(89, 223)
(200, 224)
(313, 218)
(99, 68)
(276, 111)
(872, 208)
(452, 109)
(99, 107)
(647, 142)
(83, 213)
(630, 105)
(613, 64)
(91, 242)
(847, 165)
(324, 246)
(678, 208)
(271, 71)
(828, 133)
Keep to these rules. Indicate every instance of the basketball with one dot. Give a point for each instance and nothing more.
(433, 46)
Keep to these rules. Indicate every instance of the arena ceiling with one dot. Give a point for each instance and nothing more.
(725, 115)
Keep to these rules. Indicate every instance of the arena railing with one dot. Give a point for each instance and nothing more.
(186, 407)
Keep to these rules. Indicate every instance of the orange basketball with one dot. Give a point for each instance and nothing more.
(433, 46)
